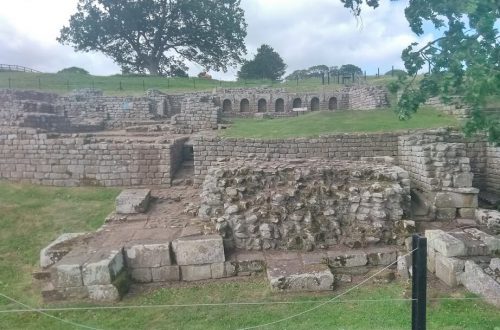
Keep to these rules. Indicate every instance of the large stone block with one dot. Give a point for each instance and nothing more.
(166, 273)
(347, 259)
(291, 275)
(104, 293)
(431, 259)
(448, 270)
(453, 199)
(199, 250)
(56, 250)
(383, 257)
(445, 244)
(141, 275)
(196, 272)
(148, 255)
(67, 275)
(103, 267)
(133, 201)
(477, 281)
(492, 242)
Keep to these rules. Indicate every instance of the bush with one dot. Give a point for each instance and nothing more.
(397, 72)
(74, 70)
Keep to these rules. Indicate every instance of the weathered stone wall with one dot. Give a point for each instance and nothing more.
(454, 108)
(176, 155)
(73, 160)
(197, 113)
(492, 182)
(305, 204)
(207, 150)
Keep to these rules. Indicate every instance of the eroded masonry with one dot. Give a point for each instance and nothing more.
(310, 213)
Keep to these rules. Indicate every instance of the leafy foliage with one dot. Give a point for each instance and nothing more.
(350, 69)
(318, 71)
(267, 64)
(396, 72)
(158, 35)
(464, 61)
(73, 70)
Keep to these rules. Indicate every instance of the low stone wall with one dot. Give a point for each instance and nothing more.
(74, 160)
(305, 204)
(492, 182)
(197, 114)
(208, 150)
(455, 108)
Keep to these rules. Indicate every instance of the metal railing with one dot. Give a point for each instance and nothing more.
(17, 68)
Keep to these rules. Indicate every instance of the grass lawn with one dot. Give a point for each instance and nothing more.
(324, 122)
(136, 85)
(30, 216)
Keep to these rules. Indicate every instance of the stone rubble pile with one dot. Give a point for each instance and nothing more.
(304, 204)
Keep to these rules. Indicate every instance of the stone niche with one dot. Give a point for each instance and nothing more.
(305, 204)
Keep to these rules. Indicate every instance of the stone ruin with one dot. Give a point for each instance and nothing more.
(309, 213)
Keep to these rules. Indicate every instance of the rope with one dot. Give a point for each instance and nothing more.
(48, 315)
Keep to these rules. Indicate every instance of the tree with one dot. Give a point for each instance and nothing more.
(297, 74)
(158, 35)
(74, 70)
(317, 70)
(464, 61)
(350, 69)
(267, 64)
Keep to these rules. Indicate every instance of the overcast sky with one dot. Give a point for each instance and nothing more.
(303, 32)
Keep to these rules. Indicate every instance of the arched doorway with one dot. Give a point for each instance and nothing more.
(280, 105)
(332, 104)
(262, 105)
(244, 105)
(227, 106)
(297, 103)
(314, 104)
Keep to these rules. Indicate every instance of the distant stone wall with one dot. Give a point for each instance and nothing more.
(74, 160)
(454, 108)
(307, 204)
(208, 150)
(197, 113)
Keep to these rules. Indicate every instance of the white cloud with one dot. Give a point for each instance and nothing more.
(304, 32)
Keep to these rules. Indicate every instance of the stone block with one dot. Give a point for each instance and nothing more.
(404, 265)
(382, 258)
(492, 242)
(141, 275)
(291, 275)
(104, 293)
(67, 275)
(477, 281)
(166, 273)
(445, 214)
(103, 267)
(445, 244)
(218, 270)
(199, 250)
(431, 259)
(133, 201)
(196, 272)
(495, 264)
(347, 259)
(463, 180)
(148, 255)
(453, 199)
(56, 250)
(448, 270)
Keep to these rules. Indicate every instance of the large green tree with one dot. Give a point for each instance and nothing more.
(267, 64)
(463, 61)
(157, 36)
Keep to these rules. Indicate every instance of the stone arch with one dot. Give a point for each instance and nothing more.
(245, 105)
(262, 105)
(227, 106)
(297, 103)
(333, 103)
(314, 104)
(279, 106)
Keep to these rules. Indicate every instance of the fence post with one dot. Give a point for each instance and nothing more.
(322, 78)
(378, 72)
(392, 71)
(419, 282)
(121, 87)
(365, 75)
(328, 78)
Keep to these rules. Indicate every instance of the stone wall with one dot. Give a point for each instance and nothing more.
(492, 182)
(208, 150)
(454, 108)
(197, 113)
(73, 160)
(305, 204)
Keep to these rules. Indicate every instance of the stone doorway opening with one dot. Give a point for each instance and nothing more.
(332, 104)
(227, 106)
(280, 105)
(314, 104)
(245, 105)
(297, 103)
(262, 105)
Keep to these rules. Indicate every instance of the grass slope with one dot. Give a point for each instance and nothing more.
(31, 216)
(318, 123)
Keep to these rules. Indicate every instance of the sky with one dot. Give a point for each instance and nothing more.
(303, 32)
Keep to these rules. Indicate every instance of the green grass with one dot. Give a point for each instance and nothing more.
(31, 216)
(136, 85)
(325, 122)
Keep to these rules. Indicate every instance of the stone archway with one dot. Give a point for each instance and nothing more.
(333, 103)
(262, 105)
(227, 106)
(297, 103)
(279, 105)
(245, 105)
(314, 104)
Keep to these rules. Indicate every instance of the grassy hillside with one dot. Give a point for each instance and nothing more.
(324, 122)
(135, 85)
(31, 216)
